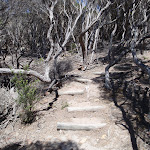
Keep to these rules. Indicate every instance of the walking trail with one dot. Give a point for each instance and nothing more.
(82, 114)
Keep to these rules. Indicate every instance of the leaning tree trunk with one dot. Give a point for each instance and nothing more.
(27, 72)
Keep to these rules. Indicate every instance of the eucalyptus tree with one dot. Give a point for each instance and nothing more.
(16, 30)
(25, 31)
(4, 15)
(54, 24)
(130, 27)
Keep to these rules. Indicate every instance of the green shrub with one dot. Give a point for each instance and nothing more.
(27, 96)
(64, 105)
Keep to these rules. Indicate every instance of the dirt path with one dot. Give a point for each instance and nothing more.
(108, 137)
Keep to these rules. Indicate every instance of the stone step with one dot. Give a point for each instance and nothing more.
(71, 92)
(83, 80)
(99, 73)
(87, 108)
(77, 126)
(112, 72)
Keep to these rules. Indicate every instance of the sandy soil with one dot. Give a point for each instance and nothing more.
(44, 129)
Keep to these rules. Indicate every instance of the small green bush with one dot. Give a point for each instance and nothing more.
(64, 105)
(27, 96)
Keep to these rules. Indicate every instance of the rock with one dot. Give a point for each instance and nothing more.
(13, 93)
(104, 137)
(47, 93)
(96, 100)
(83, 140)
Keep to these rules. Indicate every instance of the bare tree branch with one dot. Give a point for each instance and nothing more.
(30, 72)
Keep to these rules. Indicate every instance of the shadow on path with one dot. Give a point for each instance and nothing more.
(133, 109)
(128, 125)
(68, 145)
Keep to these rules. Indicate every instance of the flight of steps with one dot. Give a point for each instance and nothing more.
(82, 123)
(89, 120)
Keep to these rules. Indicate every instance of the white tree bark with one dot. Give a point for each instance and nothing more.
(68, 34)
(30, 72)
(89, 27)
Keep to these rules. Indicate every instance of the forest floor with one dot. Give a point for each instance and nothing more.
(43, 134)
